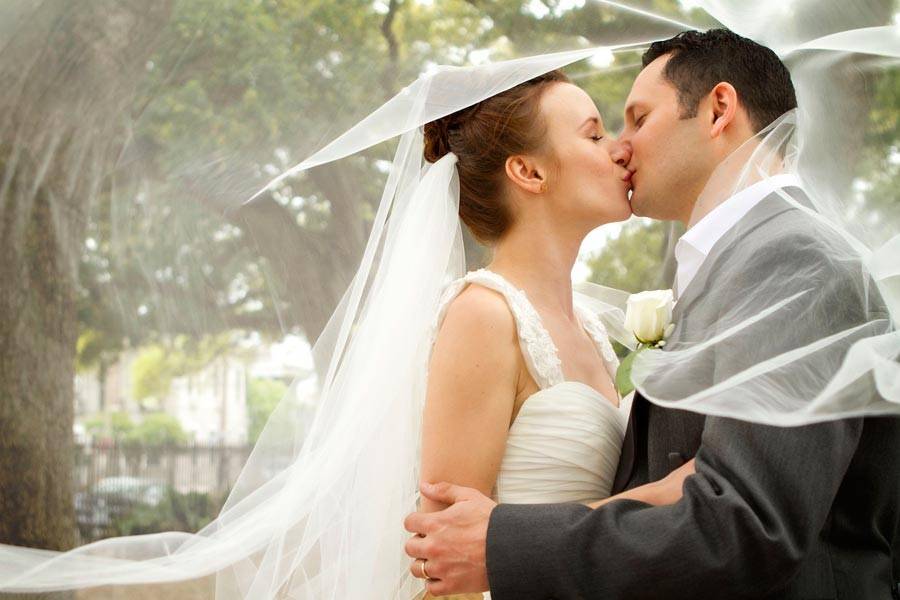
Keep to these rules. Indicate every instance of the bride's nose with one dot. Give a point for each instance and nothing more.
(620, 153)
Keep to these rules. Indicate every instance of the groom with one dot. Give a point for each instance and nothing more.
(787, 513)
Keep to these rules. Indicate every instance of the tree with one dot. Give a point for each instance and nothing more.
(262, 398)
(228, 84)
(156, 365)
(52, 167)
(109, 426)
(634, 260)
(156, 429)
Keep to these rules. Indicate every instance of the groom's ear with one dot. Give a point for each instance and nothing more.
(723, 103)
(525, 174)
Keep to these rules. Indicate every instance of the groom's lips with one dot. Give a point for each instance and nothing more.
(627, 178)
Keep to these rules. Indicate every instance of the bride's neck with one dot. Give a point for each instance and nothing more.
(539, 260)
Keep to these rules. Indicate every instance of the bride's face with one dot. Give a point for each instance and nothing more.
(586, 176)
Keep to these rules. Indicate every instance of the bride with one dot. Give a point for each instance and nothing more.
(518, 371)
(521, 403)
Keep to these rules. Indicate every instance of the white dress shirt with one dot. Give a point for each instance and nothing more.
(696, 243)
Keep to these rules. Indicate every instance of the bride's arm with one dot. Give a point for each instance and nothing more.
(472, 381)
(658, 493)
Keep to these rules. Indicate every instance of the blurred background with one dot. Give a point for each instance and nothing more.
(150, 320)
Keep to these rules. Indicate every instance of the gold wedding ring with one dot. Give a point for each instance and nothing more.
(424, 572)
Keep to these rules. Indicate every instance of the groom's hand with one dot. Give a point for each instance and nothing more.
(451, 542)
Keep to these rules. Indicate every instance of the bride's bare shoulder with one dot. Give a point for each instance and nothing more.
(475, 354)
(478, 315)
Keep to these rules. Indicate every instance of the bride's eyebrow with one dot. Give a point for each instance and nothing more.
(594, 120)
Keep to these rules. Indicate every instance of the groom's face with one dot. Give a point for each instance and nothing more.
(670, 155)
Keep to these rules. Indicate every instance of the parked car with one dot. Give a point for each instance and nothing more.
(97, 508)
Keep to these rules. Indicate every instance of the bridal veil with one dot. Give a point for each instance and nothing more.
(317, 510)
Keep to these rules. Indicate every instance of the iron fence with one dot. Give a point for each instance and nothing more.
(123, 488)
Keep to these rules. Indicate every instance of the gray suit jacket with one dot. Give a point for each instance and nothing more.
(803, 512)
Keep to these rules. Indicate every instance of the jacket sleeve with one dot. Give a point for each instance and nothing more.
(759, 497)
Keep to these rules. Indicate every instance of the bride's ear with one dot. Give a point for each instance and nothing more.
(525, 174)
(723, 104)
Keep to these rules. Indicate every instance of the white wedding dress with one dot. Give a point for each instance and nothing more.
(564, 444)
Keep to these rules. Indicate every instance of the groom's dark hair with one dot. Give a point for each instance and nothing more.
(701, 59)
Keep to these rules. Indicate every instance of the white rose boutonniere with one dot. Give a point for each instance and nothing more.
(648, 316)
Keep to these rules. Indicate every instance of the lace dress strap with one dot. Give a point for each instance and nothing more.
(538, 350)
(595, 328)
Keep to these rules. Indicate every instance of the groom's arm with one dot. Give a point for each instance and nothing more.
(759, 497)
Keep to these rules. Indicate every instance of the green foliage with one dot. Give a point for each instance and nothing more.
(116, 425)
(882, 153)
(89, 349)
(156, 365)
(633, 261)
(262, 398)
(156, 429)
(151, 373)
(176, 512)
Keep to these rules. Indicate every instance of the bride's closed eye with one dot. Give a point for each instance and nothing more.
(596, 138)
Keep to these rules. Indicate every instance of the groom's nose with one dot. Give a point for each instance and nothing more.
(621, 153)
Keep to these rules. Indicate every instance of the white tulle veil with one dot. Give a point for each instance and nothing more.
(318, 508)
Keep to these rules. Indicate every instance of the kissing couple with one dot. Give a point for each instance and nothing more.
(552, 484)
(755, 457)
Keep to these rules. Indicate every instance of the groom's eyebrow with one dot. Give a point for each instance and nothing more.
(629, 110)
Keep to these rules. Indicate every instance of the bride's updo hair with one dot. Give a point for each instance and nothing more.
(483, 136)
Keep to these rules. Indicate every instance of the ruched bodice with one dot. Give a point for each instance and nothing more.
(564, 443)
(563, 446)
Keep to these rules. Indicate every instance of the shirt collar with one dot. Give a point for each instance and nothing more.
(710, 229)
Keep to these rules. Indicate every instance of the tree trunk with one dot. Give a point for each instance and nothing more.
(67, 71)
(102, 373)
(37, 329)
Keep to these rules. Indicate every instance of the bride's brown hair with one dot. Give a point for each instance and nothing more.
(483, 136)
